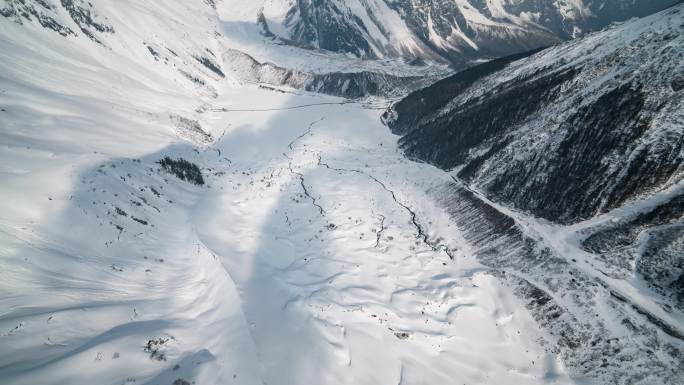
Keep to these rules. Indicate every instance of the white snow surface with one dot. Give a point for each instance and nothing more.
(299, 260)
(113, 271)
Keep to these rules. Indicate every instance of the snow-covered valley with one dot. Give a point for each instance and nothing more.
(172, 217)
(301, 260)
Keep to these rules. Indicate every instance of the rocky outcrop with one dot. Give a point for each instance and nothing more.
(345, 84)
(46, 14)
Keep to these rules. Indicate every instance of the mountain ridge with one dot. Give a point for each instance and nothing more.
(459, 32)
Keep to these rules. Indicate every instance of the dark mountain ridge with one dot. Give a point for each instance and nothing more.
(569, 133)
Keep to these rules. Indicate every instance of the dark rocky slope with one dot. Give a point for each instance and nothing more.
(589, 136)
(566, 134)
(45, 13)
(438, 95)
(602, 334)
(345, 84)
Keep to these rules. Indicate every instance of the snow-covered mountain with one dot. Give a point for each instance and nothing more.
(317, 46)
(568, 167)
(460, 31)
(517, 130)
(184, 202)
(197, 42)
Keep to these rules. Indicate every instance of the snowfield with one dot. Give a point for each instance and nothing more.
(310, 255)
(165, 222)
(298, 261)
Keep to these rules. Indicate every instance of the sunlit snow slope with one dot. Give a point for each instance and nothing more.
(309, 252)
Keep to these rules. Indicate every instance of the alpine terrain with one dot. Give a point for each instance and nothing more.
(337, 192)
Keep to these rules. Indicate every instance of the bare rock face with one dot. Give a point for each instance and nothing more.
(345, 84)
